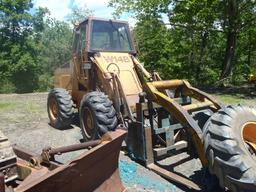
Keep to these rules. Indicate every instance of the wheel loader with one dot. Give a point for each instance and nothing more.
(109, 86)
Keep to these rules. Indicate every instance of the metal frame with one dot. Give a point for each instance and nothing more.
(142, 135)
(140, 144)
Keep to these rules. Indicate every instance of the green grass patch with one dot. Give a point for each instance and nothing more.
(8, 105)
(21, 107)
(34, 107)
(234, 99)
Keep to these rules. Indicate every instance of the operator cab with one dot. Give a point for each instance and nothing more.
(109, 44)
(99, 35)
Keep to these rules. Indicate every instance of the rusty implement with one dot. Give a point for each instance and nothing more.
(94, 170)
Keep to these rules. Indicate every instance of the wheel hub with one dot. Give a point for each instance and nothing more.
(53, 108)
(88, 121)
(249, 136)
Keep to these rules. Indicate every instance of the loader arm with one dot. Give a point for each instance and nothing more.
(155, 92)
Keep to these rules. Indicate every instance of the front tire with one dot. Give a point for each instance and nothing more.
(226, 150)
(60, 108)
(97, 115)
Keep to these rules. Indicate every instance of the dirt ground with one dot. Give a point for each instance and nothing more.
(24, 120)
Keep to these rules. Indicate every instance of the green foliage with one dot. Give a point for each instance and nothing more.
(194, 44)
(179, 39)
(154, 47)
(55, 45)
(45, 82)
(32, 46)
(79, 14)
(6, 86)
(18, 49)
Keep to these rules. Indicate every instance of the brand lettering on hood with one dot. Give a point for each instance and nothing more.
(115, 59)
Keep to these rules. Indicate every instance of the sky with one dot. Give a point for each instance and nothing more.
(60, 8)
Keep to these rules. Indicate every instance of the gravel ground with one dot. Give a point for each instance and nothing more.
(24, 120)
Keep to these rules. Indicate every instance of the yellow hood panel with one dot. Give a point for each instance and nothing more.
(122, 65)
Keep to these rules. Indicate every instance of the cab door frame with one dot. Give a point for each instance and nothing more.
(81, 73)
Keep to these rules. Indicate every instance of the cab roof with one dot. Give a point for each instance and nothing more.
(88, 19)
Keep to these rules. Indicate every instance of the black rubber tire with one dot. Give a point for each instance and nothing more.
(65, 112)
(201, 117)
(103, 114)
(226, 151)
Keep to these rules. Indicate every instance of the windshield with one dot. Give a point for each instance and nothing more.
(110, 36)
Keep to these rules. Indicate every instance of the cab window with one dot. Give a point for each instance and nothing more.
(82, 39)
(110, 36)
(76, 40)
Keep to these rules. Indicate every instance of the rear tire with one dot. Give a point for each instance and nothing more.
(225, 148)
(60, 108)
(97, 115)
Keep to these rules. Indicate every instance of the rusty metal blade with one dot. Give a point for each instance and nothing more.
(94, 170)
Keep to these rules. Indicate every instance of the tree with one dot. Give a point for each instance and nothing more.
(56, 44)
(190, 28)
(32, 46)
(18, 49)
(78, 14)
(154, 45)
(238, 15)
(204, 35)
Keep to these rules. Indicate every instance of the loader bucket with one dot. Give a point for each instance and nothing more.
(94, 170)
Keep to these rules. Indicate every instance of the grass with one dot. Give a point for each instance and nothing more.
(20, 110)
(7, 105)
(19, 106)
(34, 107)
(235, 99)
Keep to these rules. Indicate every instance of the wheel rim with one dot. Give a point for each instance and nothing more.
(249, 137)
(53, 108)
(88, 122)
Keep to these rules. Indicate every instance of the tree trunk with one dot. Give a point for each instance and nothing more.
(200, 66)
(229, 55)
(249, 49)
(232, 11)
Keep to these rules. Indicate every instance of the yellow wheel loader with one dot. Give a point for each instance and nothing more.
(109, 86)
